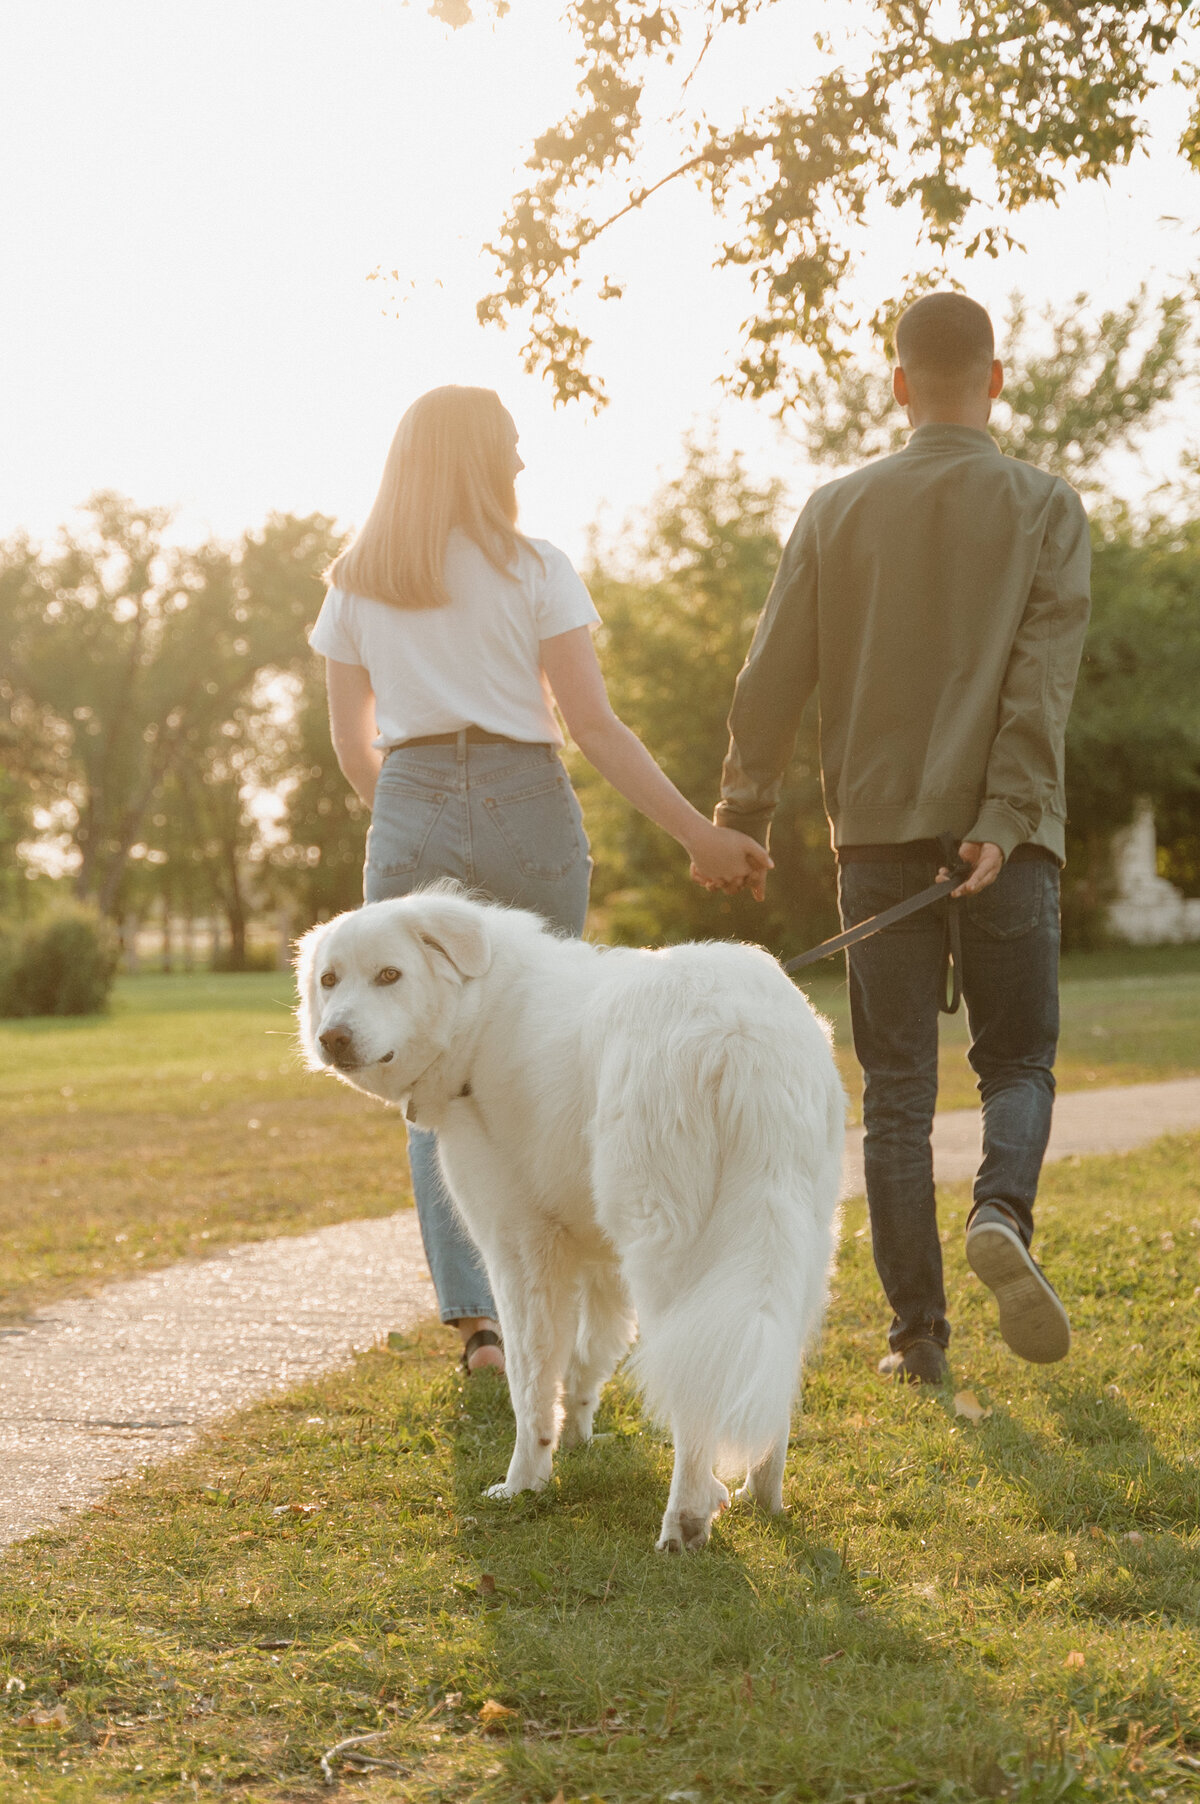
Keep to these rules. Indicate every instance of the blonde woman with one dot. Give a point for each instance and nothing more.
(448, 638)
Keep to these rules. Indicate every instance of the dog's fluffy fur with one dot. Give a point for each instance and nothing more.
(637, 1141)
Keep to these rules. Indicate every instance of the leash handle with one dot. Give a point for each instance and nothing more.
(952, 955)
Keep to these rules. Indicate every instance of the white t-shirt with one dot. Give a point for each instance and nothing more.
(473, 663)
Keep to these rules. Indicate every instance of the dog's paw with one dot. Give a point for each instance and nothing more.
(683, 1532)
(686, 1530)
(508, 1488)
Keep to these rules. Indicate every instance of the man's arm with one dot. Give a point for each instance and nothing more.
(775, 682)
(1025, 767)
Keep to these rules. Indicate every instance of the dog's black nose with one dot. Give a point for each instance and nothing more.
(336, 1041)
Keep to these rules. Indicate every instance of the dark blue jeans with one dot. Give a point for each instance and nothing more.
(1010, 936)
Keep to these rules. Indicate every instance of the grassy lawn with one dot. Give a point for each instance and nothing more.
(180, 1122)
(183, 1121)
(952, 1608)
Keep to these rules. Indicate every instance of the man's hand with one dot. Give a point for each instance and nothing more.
(987, 862)
(725, 859)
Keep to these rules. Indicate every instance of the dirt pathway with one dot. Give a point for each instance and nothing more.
(93, 1388)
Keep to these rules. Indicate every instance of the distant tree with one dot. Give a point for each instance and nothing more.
(1135, 726)
(146, 673)
(131, 652)
(956, 116)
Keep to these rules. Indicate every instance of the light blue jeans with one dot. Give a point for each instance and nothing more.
(504, 820)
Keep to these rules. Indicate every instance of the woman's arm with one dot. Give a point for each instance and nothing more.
(352, 726)
(720, 856)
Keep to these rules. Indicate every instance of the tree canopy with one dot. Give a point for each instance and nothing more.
(956, 115)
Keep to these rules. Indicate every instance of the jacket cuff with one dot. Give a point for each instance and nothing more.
(999, 825)
(757, 826)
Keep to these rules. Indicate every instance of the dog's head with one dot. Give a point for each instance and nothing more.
(380, 987)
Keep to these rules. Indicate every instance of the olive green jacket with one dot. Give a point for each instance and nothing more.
(937, 600)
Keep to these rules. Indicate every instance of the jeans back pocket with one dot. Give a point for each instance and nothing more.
(1012, 905)
(540, 821)
(402, 820)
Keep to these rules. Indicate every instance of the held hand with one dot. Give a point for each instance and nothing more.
(987, 862)
(725, 859)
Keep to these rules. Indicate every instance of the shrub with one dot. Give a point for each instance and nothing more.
(62, 964)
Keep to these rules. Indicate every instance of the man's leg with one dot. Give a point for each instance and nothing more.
(894, 979)
(1010, 983)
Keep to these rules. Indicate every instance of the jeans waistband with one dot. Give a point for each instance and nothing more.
(471, 736)
(927, 851)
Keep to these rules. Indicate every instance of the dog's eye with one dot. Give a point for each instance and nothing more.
(389, 974)
(328, 979)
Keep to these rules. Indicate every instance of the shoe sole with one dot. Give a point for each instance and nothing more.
(1032, 1320)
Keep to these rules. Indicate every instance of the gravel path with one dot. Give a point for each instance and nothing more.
(93, 1388)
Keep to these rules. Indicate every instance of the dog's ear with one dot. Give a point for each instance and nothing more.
(458, 930)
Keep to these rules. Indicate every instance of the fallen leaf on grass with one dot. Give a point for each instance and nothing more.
(45, 1719)
(1074, 1660)
(967, 1404)
(487, 1584)
(14, 1684)
(828, 1659)
(295, 1509)
(496, 1716)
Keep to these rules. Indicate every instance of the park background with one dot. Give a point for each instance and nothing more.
(245, 241)
(240, 239)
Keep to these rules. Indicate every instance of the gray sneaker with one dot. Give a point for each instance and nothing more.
(1032, 1319)
(922, 1363)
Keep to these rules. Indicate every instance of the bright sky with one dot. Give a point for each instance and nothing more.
(194, 197)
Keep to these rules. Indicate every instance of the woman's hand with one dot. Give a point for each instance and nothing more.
(724, 859)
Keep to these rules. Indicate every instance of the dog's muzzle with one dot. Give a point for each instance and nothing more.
(337, 1044)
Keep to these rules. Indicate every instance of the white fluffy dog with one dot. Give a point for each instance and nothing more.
(637, 1141)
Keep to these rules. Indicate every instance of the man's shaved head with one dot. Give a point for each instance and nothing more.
(945, 340)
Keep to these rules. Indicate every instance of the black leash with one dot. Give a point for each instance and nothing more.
(910, 906)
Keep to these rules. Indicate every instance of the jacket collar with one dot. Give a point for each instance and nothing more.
(951, 438)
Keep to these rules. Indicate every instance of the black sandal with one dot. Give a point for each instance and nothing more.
(482, 1337)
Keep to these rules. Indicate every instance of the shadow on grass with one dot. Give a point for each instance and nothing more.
(765, 1667)
(1103, 1470)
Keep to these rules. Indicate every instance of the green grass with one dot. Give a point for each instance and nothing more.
(183, 1120)
(950, 1610)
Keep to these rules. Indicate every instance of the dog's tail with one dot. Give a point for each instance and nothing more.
(720, 1364)
(724, 1325)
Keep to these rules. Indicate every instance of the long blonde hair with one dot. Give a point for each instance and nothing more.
(450, 464)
